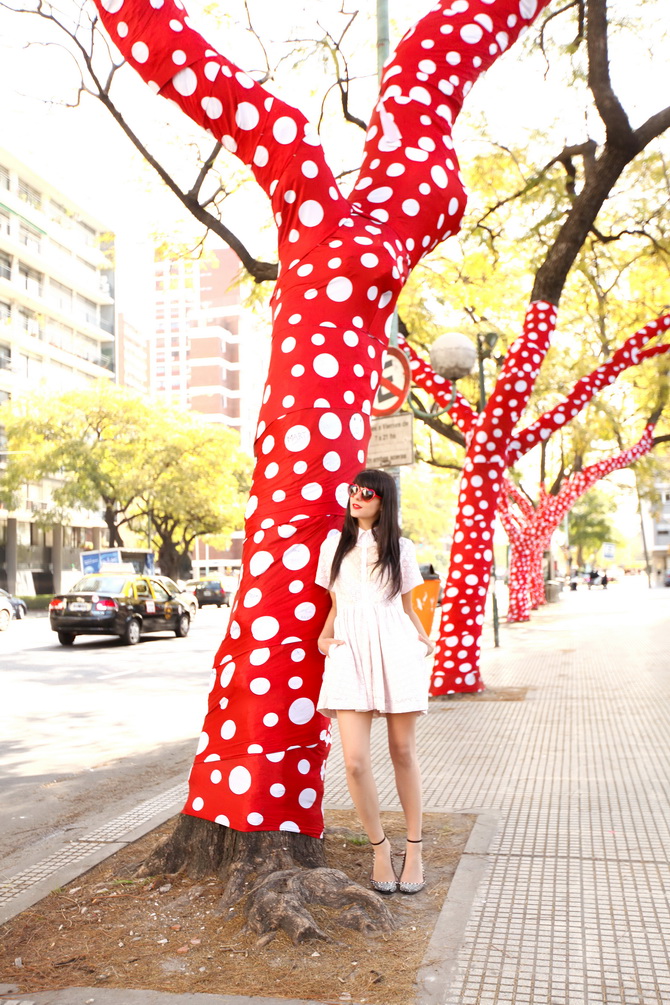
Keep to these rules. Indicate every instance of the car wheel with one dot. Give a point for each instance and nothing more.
(132, 632)
(5, 618)
(183, 625)
(66, 638)
(20, 613)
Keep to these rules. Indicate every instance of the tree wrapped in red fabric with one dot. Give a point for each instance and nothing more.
(493, 445)
(343, 261)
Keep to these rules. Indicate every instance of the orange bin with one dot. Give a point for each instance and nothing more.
(424, 602)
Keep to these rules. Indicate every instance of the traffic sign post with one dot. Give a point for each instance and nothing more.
(394, 383)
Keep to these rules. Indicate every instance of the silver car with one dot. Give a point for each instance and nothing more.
(186, 599)
(6, 613)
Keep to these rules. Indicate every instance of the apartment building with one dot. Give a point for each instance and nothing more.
(57, 331)
(209, 354)
(660, 535)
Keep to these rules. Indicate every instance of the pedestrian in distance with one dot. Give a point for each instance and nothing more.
(375, 650)
(604, 580)
(593, 578)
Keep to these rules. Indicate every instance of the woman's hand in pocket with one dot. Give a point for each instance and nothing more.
(325, 645)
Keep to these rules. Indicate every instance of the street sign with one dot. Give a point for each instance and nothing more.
(94, 561)
(394, 383)
(392, 441)
(608, 551)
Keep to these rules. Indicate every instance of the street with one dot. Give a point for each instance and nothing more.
(96, 723)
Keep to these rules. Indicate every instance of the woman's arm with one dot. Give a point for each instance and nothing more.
(413, 616)
(325, 639)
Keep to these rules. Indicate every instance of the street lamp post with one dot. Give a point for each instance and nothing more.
(453, 356)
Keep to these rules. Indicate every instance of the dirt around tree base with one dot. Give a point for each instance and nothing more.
(110, 929)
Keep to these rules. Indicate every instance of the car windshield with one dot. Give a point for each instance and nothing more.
(211, 583)
(169, 584)
(111, 585)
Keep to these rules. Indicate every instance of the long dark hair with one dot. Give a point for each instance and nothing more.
(386, 531)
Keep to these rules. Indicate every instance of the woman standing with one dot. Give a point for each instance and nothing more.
(375, 650)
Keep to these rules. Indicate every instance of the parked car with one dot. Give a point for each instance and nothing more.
(667, 578)
(186, 597)
(209, 591)
(19, 606)
(117, 603)
(429, 572)
(6, 613)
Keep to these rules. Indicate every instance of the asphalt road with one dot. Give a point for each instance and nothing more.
(96, 728)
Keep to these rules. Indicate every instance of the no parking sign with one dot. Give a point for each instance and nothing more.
(394, 383)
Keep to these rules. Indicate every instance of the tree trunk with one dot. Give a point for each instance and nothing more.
(115, 539)
(519, 582)
(277, 874)
(168, 558)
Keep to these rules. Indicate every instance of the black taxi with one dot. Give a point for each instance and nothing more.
(117, 603)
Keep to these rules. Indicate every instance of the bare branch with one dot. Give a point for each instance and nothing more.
(609, 107)
(208, 164)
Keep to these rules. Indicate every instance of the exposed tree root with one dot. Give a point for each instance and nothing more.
(280, 874)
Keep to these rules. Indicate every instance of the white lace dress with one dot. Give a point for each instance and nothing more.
(382, 665)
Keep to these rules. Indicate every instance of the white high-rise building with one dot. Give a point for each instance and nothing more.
(57, 331)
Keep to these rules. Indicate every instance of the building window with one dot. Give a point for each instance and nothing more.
(5, 311)
(29, 322)
(58, 212)
(60, 296)
(86, 310)
(30, 237)
(5, 266)
(5, 357)
(4, 177)
(30, 280)
(4, 222)
(88, 233)
(30, 194)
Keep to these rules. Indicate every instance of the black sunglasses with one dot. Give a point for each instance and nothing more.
(365, 493)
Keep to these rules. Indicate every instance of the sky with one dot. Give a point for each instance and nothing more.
(83, 151)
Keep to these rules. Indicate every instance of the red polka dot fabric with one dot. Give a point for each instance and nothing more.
(343, 262)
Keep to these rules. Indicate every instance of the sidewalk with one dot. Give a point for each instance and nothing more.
(562, 896)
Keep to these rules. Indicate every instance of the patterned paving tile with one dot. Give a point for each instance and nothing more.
(575, 903)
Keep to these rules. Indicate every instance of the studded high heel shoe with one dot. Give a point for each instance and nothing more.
(411, 887)
(381, 886)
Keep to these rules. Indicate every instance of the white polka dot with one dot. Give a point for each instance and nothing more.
(222, 819)
(294, 683)
(261, 156)
(289, 344)
(304, 766)
(268, 444)
(330, 426)
(140, 52)
(228, 730)
(264, 628)
(357, 426)
(277, 790)
(325, 364)
(410, 207)
(298, 655)
(252, 597)
(259, 685)
(305, 612)
(227, 674)
(260, 562)
(259, 656)
(122, 29)
(311, 491)
(297, 438)
(339, 289)
(301, 711)
(255, 819)
(296, 557)
(382, 194)
(179, 56)
(285, 129)
(369, 260)
(112, 6)
(215, 777)
(286, 529)
(247, 115)
(307, 798)
(310, 213)
(270, 719)
(350, 338)
(271, 471)
(211, 71)
(332, 461)
(289, 825)
(197, 803)
(212, 107)
(185, 82)
(202, 743)
(239, 780)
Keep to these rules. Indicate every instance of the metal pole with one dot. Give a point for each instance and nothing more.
(644, 535)
(482, 405)
(383, 44)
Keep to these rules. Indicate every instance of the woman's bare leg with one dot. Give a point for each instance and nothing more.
(355, 738)
(402, 748)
